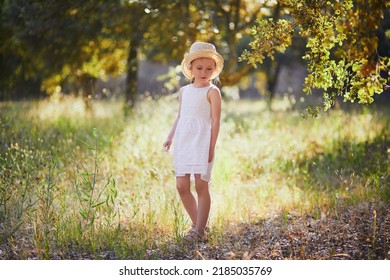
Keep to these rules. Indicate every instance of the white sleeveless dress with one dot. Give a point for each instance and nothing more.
(193, 133)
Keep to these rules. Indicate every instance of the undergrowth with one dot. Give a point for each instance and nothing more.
(75, 184)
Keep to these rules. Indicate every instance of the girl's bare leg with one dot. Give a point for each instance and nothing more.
(204, 202)
(187, 198)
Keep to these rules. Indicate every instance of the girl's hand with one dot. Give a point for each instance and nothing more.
(211, 155)
(167, 144)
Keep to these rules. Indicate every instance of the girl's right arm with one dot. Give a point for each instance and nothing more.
(168, 142)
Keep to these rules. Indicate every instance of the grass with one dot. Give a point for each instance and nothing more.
(99, 185)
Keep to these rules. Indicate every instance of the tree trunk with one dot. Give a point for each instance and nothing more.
(232, 72)
(274, 67)
(273, 75)
(131, 78)
(88, 86)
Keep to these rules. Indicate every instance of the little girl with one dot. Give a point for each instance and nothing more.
(195, 132)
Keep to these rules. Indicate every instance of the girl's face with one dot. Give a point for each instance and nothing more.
(202, 69)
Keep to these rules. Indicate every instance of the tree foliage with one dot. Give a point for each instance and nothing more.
(57, 41)
(341, 49)
(54, 44)
(229, 22)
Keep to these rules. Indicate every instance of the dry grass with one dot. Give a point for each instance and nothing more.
(99, 185)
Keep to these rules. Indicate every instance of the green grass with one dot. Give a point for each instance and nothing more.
(100, 183)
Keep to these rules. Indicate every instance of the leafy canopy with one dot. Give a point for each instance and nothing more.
(341, 49)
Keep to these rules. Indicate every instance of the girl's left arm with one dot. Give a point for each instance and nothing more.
(215, 100)
(168, 142)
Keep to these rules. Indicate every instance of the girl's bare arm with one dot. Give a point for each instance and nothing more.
(215, 101)
(168, 142)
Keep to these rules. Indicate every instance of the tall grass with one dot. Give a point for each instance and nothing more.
(100, 184)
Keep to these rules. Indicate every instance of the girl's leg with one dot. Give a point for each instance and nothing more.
(187, 198)
(204, 202)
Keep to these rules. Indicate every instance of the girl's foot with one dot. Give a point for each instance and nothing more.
(194, 236)
(193, 227)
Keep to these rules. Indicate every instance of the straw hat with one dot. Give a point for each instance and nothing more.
(198, 50)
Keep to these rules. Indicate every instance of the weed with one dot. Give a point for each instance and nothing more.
(45, 217)
(96, 197)
(95, 183)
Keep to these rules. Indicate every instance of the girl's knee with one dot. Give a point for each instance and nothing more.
(183, 187)
(201, 186)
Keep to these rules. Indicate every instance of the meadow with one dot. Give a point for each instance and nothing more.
(98, 185)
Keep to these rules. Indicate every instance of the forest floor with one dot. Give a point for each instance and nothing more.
(360, 232)
(76, 187)
(357, 232)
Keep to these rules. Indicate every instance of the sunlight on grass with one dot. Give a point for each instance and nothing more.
(96, 181)
(58, 106)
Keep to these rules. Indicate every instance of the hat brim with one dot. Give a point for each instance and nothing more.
(186, 62)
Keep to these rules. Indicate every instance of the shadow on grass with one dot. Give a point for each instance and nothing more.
(358, 232)
(347, 166)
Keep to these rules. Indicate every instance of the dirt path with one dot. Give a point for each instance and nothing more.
(357, 232)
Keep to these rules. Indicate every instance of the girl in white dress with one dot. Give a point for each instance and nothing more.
(195, 132)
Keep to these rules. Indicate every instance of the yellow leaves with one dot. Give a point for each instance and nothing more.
(269, 37)
(52, 84)
(231, 255)
(340, 39)
(365, 82)
(103, 57)
(73, 12)
(246, 256)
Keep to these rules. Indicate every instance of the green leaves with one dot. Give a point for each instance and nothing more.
(96, 196)
(57, 41)
(340, 51)
(266, 43)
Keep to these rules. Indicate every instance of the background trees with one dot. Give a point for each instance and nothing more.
(59, 43)
(66, 46)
